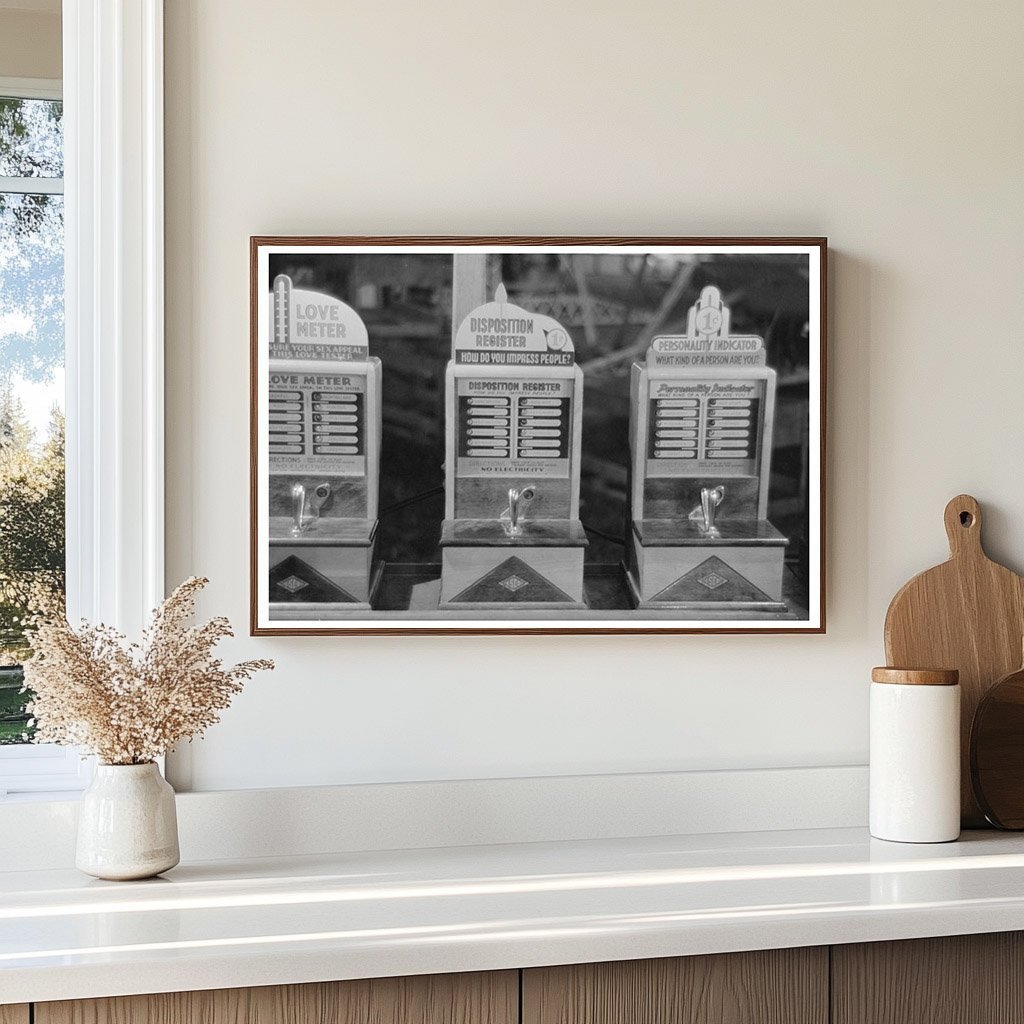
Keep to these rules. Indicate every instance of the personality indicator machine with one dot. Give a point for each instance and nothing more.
(512, 537)
(324, 456)
(701, 416)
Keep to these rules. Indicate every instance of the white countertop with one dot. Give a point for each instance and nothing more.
(226, 924)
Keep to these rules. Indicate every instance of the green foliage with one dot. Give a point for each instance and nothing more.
(31, 524)
(14, 720)
(31, 548)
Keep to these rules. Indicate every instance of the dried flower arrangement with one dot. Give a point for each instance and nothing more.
(130, 703)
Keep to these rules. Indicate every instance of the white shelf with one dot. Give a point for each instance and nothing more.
(351, 915)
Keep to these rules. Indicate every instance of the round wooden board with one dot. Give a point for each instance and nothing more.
(997, 752)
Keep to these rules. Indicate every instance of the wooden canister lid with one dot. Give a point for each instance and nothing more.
(916, 676)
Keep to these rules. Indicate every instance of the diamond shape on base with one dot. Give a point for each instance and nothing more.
(712, 580)
(512, 582)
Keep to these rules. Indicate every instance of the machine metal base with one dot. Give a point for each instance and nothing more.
(324, 576)
(676, 565)
(482, 567)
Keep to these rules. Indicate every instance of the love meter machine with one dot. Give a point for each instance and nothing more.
(324, 456)
(512, 537)
(701, 415)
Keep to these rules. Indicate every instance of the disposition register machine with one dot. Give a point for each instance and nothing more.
(512, 537)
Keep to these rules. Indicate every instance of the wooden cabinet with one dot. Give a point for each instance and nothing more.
(963, 979)
(968, 979)
(779, 986)
(491, 998)
(972, 979)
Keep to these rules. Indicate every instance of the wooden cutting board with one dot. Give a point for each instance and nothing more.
(967, 614)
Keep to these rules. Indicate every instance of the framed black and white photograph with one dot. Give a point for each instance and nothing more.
(537, 435)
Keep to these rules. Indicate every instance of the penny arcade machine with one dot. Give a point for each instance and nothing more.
(701, 414)
(512, 537)
(324, 456)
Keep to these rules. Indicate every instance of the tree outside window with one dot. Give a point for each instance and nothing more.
(31, 385)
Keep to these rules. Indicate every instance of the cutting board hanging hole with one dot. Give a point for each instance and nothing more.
(963, 525)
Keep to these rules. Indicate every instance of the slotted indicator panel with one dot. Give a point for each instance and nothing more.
(317, 427)
(704, 426)
(731, 428)
(287, 423)
(485, 427)
(337, 423)
(675, 428)
(542, 428)
(513, 426)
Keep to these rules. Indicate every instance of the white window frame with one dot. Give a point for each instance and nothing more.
(114, 335)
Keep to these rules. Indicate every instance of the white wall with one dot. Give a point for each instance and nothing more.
(29, 41)
(894, 129)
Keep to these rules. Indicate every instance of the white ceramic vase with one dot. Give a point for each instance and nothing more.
(127, 825)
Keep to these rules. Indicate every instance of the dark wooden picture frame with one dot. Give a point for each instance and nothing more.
(343, 282)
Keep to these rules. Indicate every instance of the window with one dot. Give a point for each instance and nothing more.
(32, 534)
(31, 382)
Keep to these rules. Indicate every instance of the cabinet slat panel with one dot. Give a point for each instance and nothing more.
(963, 979)
(480, 998)
(14, 1014)
(781, 986)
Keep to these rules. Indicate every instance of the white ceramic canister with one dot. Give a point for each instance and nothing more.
(915, 755)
